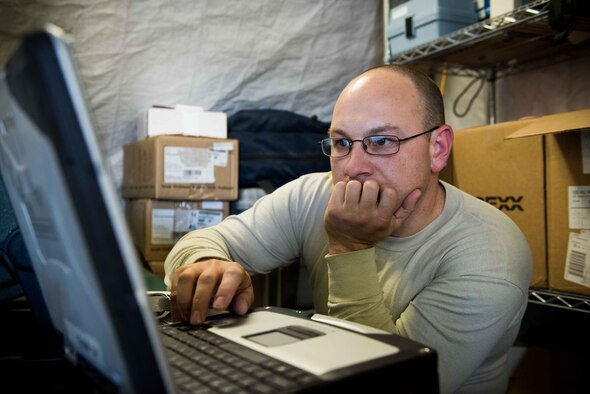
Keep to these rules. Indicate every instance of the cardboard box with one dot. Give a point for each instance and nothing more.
(182, 120)
(524, 165)
(567, 183)
(416, 22)
(507, 174)
(181, 168)
(156, 225)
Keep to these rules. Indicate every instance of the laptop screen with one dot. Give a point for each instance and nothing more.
(72, 219)
(74, 228)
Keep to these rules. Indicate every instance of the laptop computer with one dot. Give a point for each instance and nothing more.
(89, 272)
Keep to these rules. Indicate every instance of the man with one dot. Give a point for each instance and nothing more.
(384, 241)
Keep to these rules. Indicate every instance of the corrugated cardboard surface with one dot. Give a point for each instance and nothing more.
(564, 169)
(139, 213)
(550, 124)
(145, 166)
(508, 175)
(563, 166)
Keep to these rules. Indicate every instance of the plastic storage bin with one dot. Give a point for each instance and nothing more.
(416, 22)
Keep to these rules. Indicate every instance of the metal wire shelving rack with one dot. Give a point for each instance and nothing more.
(507, 43)
(561, 300)
(529, 37)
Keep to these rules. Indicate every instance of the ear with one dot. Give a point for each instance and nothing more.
(440, 147)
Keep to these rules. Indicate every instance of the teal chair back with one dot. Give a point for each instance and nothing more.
(17, 277)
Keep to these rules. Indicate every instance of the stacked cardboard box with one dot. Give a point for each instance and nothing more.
(179, 167)
(182, 120)
(538, 172)
(157, 224)
(174, 184)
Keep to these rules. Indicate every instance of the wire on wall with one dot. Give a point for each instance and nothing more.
(481, 80)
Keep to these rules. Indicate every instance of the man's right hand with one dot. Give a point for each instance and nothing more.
(195, 285)
(361, 214)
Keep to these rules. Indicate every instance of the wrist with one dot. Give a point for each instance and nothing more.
(335, 248)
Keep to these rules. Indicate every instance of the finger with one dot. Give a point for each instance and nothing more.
(174, 278)
(338, 193)
(175, 314)
(369, 195)
(352, 194)
(244, 297)
(184, 285)
(388, 200)
(203, 293)
(242, 301)
(408, 205)
(232, 280)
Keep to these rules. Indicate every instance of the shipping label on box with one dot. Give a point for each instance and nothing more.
(162, 225)
(169, 224)
(156, 225)
(181, 168)
(578, 259)
(188, 165)
(579, 207)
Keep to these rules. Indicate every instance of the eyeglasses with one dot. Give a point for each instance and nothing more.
(379, 145)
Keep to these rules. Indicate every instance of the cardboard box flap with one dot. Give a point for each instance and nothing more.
(556, 123)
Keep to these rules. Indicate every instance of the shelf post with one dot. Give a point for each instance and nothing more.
(491, 80)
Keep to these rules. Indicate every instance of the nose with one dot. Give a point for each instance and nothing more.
(358, 162)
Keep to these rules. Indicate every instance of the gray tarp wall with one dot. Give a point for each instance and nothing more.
(227, 55)
(222, 55)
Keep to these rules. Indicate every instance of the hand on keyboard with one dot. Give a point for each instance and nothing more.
(195, 285)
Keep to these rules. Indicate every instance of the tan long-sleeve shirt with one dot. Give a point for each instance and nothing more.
(460, 285)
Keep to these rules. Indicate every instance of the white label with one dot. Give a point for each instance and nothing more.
(585, 143)
(203, 218)
(225, 146)
(169, 225)
(399, 12)
(182, 221)
(579, 207)
(189, 165)
(162, 226)
(218, 158)
(218, 205)
(576, 264)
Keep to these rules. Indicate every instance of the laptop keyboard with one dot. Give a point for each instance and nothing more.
(204, 362)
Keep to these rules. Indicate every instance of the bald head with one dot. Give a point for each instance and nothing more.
(429, 101)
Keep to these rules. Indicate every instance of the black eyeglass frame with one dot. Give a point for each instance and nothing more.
(364, 145)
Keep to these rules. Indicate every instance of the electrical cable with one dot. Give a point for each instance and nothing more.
(481, 80)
